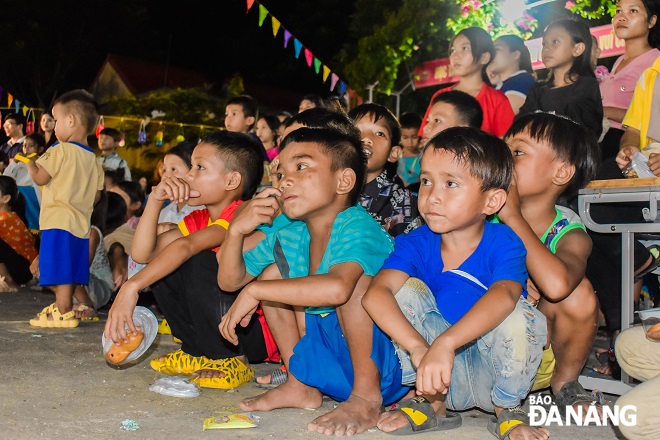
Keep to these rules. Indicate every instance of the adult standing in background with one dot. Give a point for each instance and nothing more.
(14, 125)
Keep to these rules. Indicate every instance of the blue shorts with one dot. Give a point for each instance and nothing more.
(63, 258)
(321, 360)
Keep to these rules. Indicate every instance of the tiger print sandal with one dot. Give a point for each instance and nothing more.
(236, 373)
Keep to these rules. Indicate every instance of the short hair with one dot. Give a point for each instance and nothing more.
(320, 117)
(135, 193)
(344, 150)
(16, 117)
(81, 103)
(378, 112)
(112, 132)
(314, 99)
(4, 158)
(248, 104)
(115, 176)
(410, 120)
(468, 109)
(570, 141)
(239, 152)
(486, 156)
(38, 139)
(116, 212)
(183, 150)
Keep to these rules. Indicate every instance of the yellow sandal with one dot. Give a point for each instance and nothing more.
(236, 374)
(178, 362)
(59, 320)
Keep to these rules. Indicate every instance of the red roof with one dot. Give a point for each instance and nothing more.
(143, 76)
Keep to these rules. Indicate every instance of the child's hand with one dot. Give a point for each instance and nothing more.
(274, 165)
(625, 155)
(164, 227)
(262, 209)
(239, 313)
(121, 313)
(417, 354)
(434, 371)
(512, 206)
(34, 267)
(175, 189)
(654, 164)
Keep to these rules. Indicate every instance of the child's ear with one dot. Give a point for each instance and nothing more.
(484, 58)
(495, 199)
(395, 153)
(249, 120)
(5, 199)
(563, 174)
(578, 49)
(234, 181)
(346, 182)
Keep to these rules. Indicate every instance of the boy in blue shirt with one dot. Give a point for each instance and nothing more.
(327, 260)
(471, 338)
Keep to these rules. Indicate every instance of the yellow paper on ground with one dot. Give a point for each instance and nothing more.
(231, 421)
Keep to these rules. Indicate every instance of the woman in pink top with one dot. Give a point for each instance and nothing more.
(635, 23)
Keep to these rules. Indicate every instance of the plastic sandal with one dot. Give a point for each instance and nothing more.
(178, 362)
(236, 374)
(58, 320)
(508, 419)
(277, 377)
(572, 393)
(164, 328)
(422, 418)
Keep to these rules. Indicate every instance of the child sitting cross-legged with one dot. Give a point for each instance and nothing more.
(182, 267)
(466, 334)
(326, 261)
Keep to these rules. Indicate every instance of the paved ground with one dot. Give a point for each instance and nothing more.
(56, 384)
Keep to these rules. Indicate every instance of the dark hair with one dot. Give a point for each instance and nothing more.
(486, 156)
(17, 118)
(314, 99)
(115, 176)
(273, 123)
(466, 107)
(239, 152)
(480, 43)
(320, 117)
(248, 104)
(517, 44)
(100, 212)
(335, 103)
(82, 103)
(410, 120)
(653, 8)
(38, 139)
(135, 193)
(53, 139)
(284, 113)
(16, 200)
(183, 150)
(344, 150)
(4, 158)
(113, 133)
(378, 112)
(116, 212)
(570, 141)
(579, 33)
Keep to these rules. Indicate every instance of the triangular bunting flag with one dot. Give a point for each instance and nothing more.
(17, 106)
(309, 56)
(287, 37)
(249, 5)
(333, 81)
(10, 99)
(342, 88)
(326, 72)
(25, 110)
(317, 65)
(263, 13)
(276, 25)
(297, 45)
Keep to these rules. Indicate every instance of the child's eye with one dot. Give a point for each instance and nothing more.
(452, 184)
(436, 120)
(380, 134)
(301, 166)
(517, 153)
(199, 167)
(425, 182)
(279, 176)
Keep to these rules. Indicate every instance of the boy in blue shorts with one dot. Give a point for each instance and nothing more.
(471, 338)
(72, 180)
(326, 260)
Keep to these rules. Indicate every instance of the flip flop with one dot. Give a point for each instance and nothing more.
(509, 418)
(422, 418)
(236, 373)
(178, 362)
(277, 377)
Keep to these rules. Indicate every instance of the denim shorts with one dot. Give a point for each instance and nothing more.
(497, 368)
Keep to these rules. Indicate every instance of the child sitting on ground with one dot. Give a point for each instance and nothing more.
(182, 266)
(394, 207)
(341, 354)
(471, 338)
(554, 157)
(72, 180)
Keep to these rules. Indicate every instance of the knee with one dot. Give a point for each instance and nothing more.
(628, 347)
(582, 304)
(524, 327)
(415, 295)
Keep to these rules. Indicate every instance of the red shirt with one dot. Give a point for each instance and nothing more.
(201, 219)
(498, 114)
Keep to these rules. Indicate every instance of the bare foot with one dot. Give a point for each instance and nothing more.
(351, 417)
(525, 432)
(5, 285)
(208, 374)
(392, 420)
(291, 394)
(84, 312)
(264, 380)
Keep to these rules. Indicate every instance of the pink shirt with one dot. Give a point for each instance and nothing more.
(617, 89)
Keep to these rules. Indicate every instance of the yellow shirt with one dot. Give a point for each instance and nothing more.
(67, 200)
(638, 115)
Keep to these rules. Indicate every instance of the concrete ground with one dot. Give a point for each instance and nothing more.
(56, 384)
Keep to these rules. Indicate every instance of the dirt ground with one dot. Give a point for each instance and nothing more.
(56, 384)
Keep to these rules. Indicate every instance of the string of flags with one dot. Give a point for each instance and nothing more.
(310, 58)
